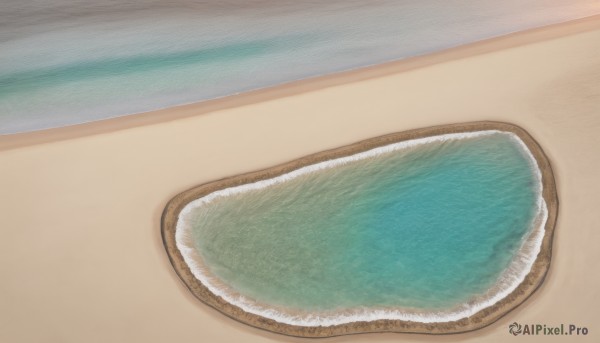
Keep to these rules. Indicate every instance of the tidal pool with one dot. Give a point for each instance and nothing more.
(427, 230)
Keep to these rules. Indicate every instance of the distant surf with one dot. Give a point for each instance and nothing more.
(66, 63)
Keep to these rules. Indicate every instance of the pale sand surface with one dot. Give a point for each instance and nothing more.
(81, 256)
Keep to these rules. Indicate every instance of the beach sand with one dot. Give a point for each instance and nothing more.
(81, 253)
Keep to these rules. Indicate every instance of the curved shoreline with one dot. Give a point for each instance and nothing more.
(506, 283)
(468, 318)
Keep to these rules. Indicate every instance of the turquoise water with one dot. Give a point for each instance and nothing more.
(425, 228)
(66, 62)
(27, 81)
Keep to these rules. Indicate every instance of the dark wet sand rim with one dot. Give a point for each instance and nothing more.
(479, 320)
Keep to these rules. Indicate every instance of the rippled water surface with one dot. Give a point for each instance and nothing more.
(430, 228)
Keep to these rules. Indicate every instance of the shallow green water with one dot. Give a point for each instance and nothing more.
(426, 228)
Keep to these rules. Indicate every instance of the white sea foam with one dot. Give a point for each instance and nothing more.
(507, 283)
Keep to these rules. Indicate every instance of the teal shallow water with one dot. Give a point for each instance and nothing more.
(426, 228)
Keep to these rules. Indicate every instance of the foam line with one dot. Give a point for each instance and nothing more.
(508, 281)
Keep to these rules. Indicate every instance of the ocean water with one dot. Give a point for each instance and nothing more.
(434, 229)
(67, 62)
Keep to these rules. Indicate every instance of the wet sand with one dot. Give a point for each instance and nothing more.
(479, 319)
(82, 254)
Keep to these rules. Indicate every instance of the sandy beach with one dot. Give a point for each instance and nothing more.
(82, 254)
